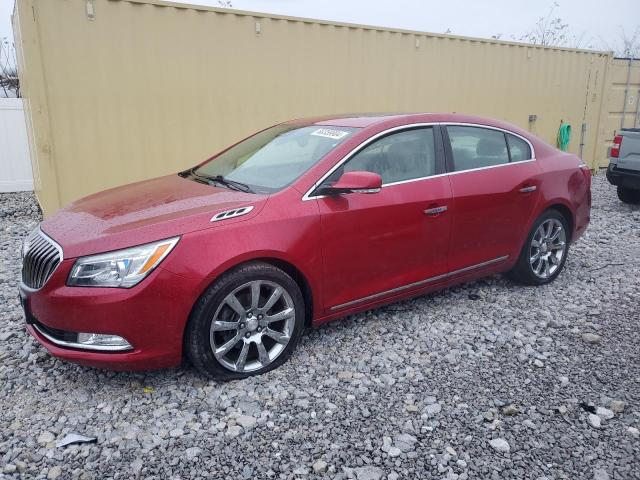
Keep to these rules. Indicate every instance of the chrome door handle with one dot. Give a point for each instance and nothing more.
(528, 189)
(435, 210)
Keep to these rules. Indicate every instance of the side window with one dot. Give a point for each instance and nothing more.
(396, 157)
(518, 148)
(477, 147)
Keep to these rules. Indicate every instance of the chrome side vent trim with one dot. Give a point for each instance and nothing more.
(236, 212)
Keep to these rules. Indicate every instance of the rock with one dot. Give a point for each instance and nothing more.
(432, 410)
(10, 468)
(176, 432)
(394, 452)
(4, 336)
(192, 452)
(136, 466)
(319, 466)
(233, 431)
(617, 406)
(600, 474)
(246, 421)
(591, 338)
(405, 442)
(500, 445)
(538, 363)
(604, 413)
(594, 420)
(368, 473)
(510, 410)
(54, 472)
(45, 438)
(634, 432)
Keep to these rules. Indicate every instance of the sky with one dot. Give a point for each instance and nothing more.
(597, 22)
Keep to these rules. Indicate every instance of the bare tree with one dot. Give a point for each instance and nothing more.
(9, 82)
(627, 46)
(548, 30)
(551, 30)
(225, 3)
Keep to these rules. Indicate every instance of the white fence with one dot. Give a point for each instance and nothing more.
(15, 165)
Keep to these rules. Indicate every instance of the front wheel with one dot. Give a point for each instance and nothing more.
(247, 323)
(545, 250)
(628, 195)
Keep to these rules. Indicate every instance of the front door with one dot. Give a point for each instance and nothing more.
(375, 245)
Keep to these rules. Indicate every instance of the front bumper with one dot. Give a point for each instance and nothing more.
(151, 316)
(623, 178)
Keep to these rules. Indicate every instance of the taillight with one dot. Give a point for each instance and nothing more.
(615, 148)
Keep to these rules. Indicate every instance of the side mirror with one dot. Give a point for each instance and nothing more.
(354, 182)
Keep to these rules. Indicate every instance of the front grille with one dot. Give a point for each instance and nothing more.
(41, 258)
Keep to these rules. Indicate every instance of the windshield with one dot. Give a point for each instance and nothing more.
(272, 159)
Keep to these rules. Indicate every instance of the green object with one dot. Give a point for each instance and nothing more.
(564, 136)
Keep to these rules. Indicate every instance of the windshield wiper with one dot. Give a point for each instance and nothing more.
(242, 187)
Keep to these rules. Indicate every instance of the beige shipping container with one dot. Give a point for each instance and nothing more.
(621, 103)
(119, 91)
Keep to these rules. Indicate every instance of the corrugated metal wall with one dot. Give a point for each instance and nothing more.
(621, 103)
(146, 88)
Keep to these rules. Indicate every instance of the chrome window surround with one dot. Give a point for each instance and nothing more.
(63, 343)
(60, 253)
(426, 281)
(308, 195)
(236, 212)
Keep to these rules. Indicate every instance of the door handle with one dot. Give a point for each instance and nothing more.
(528, 189)
(434, 211)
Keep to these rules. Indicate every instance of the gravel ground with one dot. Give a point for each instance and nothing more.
(487, 380)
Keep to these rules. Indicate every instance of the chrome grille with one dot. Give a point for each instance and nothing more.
(41, 257)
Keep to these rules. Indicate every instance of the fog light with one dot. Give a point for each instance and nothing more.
(101, 340)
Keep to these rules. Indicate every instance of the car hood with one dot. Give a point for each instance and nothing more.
(143, 212)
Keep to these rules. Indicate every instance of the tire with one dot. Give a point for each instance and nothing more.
(534, 272)
(628, 195)
(247, 324)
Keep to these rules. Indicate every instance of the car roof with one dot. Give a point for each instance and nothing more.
(365, 120)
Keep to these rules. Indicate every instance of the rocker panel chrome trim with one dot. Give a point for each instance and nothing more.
(417, 284)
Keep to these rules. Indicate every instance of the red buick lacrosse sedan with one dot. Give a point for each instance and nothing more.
(226, 263)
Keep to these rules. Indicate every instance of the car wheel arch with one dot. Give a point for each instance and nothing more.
(566, 212)
(289, 268)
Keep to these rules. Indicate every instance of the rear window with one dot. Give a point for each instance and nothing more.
(477, 147)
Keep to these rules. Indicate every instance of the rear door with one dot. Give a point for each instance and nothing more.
(376, 245)
(495, 186)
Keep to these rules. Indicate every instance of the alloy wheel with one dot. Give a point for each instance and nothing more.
(547, 248)
(252, 326)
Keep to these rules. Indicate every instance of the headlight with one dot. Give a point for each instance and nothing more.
(122, 268)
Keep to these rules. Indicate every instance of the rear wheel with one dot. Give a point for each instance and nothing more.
(544, 253)
(247, 323)
(628, 195)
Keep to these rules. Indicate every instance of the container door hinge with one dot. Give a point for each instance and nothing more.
(91, 12)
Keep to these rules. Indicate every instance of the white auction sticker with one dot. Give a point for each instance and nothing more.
(329, 133)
